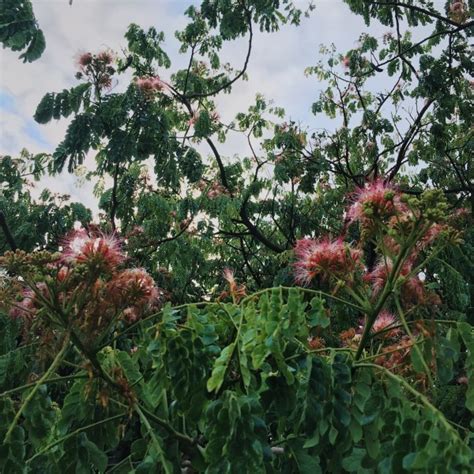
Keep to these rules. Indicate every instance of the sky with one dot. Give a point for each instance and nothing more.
(276, 67)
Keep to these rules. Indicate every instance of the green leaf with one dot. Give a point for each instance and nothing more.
(44, 111)
(220, 367)
(35, 48)
(306, 463)
(353, 462)
(317, 315)
(97, 457)
(417, 360)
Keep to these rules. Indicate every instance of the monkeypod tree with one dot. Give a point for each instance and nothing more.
(287, 379)
(175, 194)
(305, 306)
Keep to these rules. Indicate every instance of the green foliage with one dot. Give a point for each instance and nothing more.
(34, 221)
(205, 394)
(19, 29)
(281, 379)
(62, 104)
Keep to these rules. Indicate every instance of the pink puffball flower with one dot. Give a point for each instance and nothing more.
(145, 84)
(158, 84)
(103, 250)
(235, 290)
(137, 286)
(150, 85)
(325, 257)
(214, 116)
(456, 6)
(228, 275)
(385, 320)
(412, 289)
(375, 198)
(26, 307)
(430, 236)
(193, 119)
(105, 57)
(84, 59)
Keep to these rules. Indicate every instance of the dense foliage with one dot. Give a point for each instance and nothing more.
(306, 307)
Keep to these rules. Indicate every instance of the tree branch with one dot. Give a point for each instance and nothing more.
(6, 231)
(418, 9)
(240, 74)
(408, 139)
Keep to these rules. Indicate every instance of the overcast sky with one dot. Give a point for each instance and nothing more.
(276, 68)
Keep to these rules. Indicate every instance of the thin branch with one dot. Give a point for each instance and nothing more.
(114, 204)
(6, 231)
(40, 381)
(408, 139)
(418, 9)
(240, 74)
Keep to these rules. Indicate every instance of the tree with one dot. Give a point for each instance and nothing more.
(342, 341)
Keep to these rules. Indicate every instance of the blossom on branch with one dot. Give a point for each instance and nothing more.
(324, 257)
(102, 252)
(384, 322)
(375, 199)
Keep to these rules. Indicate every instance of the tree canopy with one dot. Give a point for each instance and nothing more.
(304, 306)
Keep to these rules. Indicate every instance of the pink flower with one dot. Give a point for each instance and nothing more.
(412, 290)
(145, 84)
(103, 251)
(149, 85)
(375, 199)
(228, 275)
(158, 84)
(27, 307)
(346, 61)
(456, 6)
(84, 59)
(105, 81)
(193, 119)
(136, 287)
(63, 273)
(235, 290)
(430, 236)
(325, 257)
(105, 57)
(384, 320)
(131, 314)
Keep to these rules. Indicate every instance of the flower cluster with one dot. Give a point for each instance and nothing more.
(236, 291)
(150, 85)
(375, 200)
(101, 252)
(458, 11)
(83, 286)
(97, 68)
(386, 271)
(325, 257)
